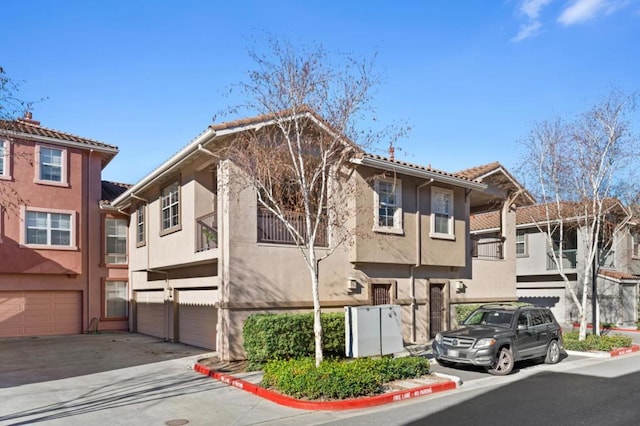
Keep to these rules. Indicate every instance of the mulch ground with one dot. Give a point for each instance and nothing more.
(229, 367)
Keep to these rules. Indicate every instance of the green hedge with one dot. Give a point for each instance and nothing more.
(283, 336)
(592, 342)
(339, 379)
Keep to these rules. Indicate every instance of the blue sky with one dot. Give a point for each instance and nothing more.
(471, 77)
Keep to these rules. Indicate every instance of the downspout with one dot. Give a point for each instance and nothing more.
(146, 236)
(205, 150)
(412, 288)
(86, 237)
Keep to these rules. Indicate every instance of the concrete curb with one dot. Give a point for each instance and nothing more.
(614, 353)
(347, 404)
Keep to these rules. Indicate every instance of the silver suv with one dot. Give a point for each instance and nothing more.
(495, 336)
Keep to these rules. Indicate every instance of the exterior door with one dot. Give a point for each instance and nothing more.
(436, 309)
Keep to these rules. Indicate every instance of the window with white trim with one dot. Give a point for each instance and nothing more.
(140, 230)
(4, 160)
(115, 241)
(170, 207)
(388, 205)
(51, 165)
(521, 243)
(49, 228)
(635, 243)
(442, 213)
(115, 299)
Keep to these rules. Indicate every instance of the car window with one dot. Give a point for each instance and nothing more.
(523, 319)
(536, 317)
(548, 316)
(488, 317)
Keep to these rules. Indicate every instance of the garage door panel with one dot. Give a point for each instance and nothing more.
(40, 313)
(553, 298)
(151, 319)
(197, 325)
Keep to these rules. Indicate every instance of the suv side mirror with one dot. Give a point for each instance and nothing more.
(522, 327)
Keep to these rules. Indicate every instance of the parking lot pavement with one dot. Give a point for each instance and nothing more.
(37, 359)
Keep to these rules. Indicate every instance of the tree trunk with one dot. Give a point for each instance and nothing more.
(583, 314)
(317, 325)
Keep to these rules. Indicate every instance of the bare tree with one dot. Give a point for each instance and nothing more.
(312, 105)
(577, 169)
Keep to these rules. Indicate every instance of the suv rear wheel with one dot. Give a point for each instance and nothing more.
(553, 353)
(503, 364)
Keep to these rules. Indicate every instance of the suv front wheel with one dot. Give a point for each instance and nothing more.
(503, 364)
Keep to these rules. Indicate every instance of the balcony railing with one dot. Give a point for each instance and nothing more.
(273, 230)
(206, 232)
(568, 260)
(487, 248)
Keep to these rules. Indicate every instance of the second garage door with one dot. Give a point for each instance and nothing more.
(553, 298)
(40, 313)
(197, 318)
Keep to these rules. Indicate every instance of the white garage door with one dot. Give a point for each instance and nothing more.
(40, 313)
(150, 317)
(197, 318)
(553, 298)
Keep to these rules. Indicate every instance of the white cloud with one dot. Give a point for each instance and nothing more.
(527, 31)
(584, 10)
(531, 9)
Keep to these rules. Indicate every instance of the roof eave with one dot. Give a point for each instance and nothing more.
(411, 171)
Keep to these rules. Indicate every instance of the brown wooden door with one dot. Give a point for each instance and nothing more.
(380, 294)
(436, 309)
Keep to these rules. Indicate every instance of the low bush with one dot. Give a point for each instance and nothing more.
(339, 379)
(592, 342)
(285, 336)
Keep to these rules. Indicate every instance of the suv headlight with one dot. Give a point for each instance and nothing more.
(439, 338)
(485, 343)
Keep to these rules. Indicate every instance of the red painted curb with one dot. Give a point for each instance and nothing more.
(346, 404)
(625, 351)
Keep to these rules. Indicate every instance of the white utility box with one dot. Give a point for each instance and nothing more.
(372, 330)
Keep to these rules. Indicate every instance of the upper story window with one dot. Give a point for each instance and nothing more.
(48, 229)
(442, 213)
(140, 229)
(521, 243)
(5, 173)
(115, 241)
(51, 165)
(388, 205)
(170, 207)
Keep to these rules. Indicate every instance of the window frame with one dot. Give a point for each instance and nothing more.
(524, 243)
(172, 227)
(450, 235)
(5, 158)
(398, 226)
(104, 306)
(141, 237)
(106, 244)
(63, 166)
(72, 228)
(635, 245)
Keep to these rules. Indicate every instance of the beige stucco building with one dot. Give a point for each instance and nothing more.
(203, 256)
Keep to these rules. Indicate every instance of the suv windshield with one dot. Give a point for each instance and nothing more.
(490, 317)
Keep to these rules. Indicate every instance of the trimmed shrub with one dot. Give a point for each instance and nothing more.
(339, 379)
(592, 342)
(285, 336)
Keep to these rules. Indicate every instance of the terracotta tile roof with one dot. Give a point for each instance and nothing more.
(30, 128)
(416, 166)
(477, 171)
(482, 221)
(569, 210)
(618, 275)
(110, 190)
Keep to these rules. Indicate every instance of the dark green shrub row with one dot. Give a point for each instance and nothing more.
(339, 379)
(284, 336)
(592, 342)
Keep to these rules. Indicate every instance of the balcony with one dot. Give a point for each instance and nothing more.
(272, 230)
(568, 259)
(206, 232)
(487, 248)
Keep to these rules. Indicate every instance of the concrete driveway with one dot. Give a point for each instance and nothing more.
(119, 379)
(26, 360)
